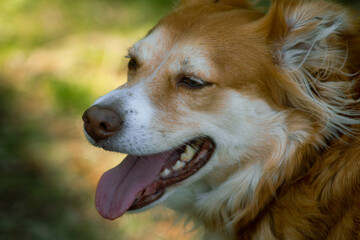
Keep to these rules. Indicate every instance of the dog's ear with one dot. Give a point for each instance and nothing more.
(305, 31)
(236, 3)
(315, 45)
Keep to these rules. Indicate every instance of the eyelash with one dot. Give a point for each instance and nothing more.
(192, 82)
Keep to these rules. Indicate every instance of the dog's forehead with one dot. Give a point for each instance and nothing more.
(160, 48)
(203, 41)
(175, 33)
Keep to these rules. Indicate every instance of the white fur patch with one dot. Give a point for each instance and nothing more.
(193, 60)
(150, 46)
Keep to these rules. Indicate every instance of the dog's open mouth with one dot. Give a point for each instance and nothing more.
(140, 180)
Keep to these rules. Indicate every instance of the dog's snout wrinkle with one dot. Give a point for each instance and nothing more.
(101, 123)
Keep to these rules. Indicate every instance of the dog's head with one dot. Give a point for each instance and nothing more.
(219, 94)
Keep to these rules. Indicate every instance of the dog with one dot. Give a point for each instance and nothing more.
(248, 122)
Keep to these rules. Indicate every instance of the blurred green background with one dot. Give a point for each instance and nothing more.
(56, 58)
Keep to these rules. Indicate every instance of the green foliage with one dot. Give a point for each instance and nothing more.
(29, 198)
(69, 97)
(34, 203)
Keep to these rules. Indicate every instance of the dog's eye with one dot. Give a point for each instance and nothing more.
(192, 82)
(133, 64)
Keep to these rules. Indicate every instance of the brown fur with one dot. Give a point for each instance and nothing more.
(321, 204)
(314, 191)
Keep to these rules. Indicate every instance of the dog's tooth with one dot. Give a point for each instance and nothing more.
(178, 165)
(165, 173)
(184, 157)
(188, 154)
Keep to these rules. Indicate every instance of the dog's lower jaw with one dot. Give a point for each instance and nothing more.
(183, 196)
(182, 199)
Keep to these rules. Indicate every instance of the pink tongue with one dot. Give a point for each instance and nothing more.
(118, 187)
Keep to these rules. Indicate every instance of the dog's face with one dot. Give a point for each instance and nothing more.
(205, 98)
(182, 87)
(182, 83)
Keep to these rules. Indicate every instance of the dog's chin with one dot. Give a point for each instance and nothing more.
(141, 181)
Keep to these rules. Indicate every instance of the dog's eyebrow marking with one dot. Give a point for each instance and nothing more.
(152, 44)
(195, 61)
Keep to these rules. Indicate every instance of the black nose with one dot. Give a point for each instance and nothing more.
(101, 123)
